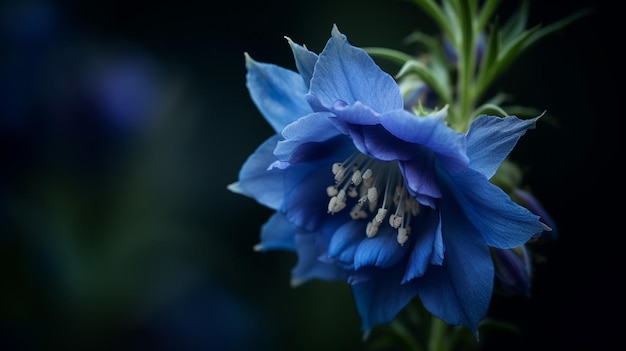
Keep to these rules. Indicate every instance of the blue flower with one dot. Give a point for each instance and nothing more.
(398, 205)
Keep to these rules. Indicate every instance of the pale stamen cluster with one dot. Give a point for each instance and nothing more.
(360, 180)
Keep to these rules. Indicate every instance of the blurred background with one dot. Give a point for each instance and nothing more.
(122, 123)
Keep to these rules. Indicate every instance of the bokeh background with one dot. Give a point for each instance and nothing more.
(122, 123)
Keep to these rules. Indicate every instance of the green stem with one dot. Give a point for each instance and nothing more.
(467, 58)
(438, 329)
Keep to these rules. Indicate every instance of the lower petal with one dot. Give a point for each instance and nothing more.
(459, 291)
(277, 234)
(381, 297)
(309, 266)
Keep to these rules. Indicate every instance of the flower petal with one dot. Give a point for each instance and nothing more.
(381, 251)
(379, 298)
(277, 92)
(345, 241)
(430, 132)
(531, 203)
(306, 201)
(427, 247)
(490, 139)
(256, 181)
(309, 266)
(459, 291)
(419, 176)
(501, 222)
(313, 128)
(277, 234)
(344, 72)
(305, 61)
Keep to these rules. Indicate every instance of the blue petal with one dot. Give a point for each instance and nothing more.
(501, 222)
(382, 250)
(345, 241)
(256, 181)
(362, 124)
(430, 132)
(344, 72)
(277, 234)
(419, 175)
(459, 291)
(490, 139)
(306, 201)
(278, 93)
(305, 61)
(379, 298)
(309, 266)
(531, 203)
(313, 128)
(426, 245)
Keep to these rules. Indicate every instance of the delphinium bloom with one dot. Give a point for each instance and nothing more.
(398, 205)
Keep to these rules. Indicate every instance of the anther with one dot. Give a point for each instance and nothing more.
(395, 221)
(368, 178)
(337, 203)
(331, 190)
(380, 215)
(372, 229)
(403, 235)
(372, 195)
(356, 177)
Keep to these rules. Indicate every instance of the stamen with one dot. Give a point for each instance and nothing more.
(395, 221)
(357, 178)
(403, 235)
(372, 229)
(331, 190)
(362, 179)
(372, 198)
(337, 203)
(380, 215)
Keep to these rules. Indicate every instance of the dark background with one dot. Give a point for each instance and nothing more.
(121, 124)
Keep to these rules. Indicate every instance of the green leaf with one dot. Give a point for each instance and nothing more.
(545, 31)
(489, 109)
(428, 41)
(485, 14)
(395, 56)
(429, 77)
(504, 59)
(516, 24)
(491, 50)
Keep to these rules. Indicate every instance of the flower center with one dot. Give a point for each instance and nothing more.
(359, 181)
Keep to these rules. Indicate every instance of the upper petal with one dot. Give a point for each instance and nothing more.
(278, 93)
(430, 132)
(305, 61)
(490, 139)
(313, 128)
(344, 72)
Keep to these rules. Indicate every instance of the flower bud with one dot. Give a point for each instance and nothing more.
(513, 270)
